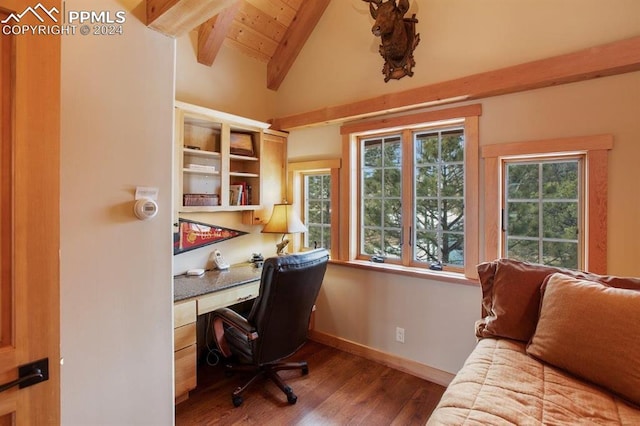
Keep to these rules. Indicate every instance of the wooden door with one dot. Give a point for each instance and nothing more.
(29, 215)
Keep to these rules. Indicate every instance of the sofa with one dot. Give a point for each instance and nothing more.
(555, 347)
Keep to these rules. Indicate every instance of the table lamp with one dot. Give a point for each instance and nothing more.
(284, 220)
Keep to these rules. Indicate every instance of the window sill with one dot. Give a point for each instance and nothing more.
(451, 277)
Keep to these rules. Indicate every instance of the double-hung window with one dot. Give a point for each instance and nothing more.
(414, 198)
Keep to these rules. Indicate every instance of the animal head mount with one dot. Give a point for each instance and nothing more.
(397, 34)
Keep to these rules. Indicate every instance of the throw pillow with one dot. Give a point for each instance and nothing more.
(592, 331)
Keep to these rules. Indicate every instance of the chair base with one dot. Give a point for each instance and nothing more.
(269, 371)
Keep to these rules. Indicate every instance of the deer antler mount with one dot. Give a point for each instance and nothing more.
(397, 34)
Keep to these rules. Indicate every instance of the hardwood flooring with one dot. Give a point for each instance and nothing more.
(340, 389)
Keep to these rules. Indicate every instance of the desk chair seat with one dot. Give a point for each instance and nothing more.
(277, 324)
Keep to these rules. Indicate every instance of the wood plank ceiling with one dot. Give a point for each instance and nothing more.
(272, 31)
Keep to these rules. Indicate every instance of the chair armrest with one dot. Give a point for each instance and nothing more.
(227, 316)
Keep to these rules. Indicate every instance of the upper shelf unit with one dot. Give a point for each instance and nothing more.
(218, 160)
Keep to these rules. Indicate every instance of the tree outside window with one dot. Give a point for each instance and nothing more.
(542, 212)
(317, 210)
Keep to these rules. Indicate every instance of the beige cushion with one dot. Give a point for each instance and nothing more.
(592, 331)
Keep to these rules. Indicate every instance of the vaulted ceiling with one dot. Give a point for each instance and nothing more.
(272, 31)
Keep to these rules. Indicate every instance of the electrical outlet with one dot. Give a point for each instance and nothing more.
(400, 334)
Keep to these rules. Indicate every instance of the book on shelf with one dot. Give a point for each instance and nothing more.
(245, 198)
(235, 195)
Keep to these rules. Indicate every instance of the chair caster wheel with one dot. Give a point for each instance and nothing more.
(237, 400)
(291, 397)
(305, 371)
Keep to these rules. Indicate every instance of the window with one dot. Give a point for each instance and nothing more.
(546, 201)
(542, 205)
(412, 193)
(317, 210)
(314, 186)
(439, 197)
(381, 198)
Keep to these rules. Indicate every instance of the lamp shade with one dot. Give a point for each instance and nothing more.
(284, 220)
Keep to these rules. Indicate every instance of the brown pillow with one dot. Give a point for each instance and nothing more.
(592, 331)
(511, 295)
(511, 298)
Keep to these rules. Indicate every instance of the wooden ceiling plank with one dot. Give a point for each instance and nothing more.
(253, 17)
(212, 33)
(249, 51)
(297, 34)
(177, 17)
(605, 60)
(251, 38)
(277, 9)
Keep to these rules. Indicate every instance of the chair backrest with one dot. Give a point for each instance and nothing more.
(288, 290)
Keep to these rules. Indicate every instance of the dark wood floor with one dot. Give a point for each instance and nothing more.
(340, 389)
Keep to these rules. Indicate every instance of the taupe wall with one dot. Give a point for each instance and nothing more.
(340, 64)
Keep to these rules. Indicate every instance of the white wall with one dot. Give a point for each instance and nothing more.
(116, 290)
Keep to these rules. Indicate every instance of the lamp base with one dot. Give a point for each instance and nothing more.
(281, 246)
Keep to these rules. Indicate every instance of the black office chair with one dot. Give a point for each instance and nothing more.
(278, 322)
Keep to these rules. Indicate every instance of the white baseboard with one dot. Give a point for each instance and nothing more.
(406, 365)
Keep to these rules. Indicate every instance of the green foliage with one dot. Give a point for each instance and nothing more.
(318, 209)
(542, 205)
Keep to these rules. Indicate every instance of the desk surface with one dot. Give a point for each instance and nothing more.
(185, 287)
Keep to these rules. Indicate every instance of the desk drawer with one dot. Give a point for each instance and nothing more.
(185, 371)
(223, 298)
(184, 336)
(184, 313)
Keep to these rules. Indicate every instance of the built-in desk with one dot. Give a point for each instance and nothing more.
(193, 296)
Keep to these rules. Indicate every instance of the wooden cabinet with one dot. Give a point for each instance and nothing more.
(274, 174)
(216, 155)
(184, 348)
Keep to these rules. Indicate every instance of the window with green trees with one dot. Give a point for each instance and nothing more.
(542, 204)
(317, 210)
(439, 197)
(435, 225)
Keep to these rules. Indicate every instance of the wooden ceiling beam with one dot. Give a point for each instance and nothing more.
(291, 44)
(177, 17)
(212, 33)
(605, 60)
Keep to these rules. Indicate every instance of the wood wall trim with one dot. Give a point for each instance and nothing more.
(409, 366)
(212, 33)
(578, 143)
(294, 39)
(412, 119)
(177, 17)
(597, 178)
(604, 60)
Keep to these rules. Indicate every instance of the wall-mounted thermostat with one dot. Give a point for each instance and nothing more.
(145, 209)
(146, 206)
